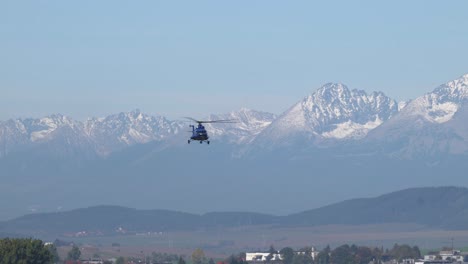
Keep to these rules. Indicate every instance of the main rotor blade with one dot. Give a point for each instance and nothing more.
(212, 121)
(193, 119)
(221, 121)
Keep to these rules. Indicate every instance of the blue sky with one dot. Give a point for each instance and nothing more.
(193, 58)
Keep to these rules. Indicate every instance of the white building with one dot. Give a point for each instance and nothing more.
(261, 256)
(447, 256)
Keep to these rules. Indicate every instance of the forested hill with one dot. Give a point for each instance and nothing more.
(114, 219)
(437, 207)
(442, 207)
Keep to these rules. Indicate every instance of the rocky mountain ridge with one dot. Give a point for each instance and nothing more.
(332, 115)
(116, 132)
(432, 125)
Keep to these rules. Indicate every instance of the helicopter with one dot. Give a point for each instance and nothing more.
(199, 133)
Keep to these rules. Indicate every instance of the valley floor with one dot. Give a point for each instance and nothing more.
(223, 242)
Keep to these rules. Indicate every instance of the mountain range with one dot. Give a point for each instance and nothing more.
(332, 115)
(340, 139)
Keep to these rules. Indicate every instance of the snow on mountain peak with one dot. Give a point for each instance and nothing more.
(249, 124)
(331, 112)
(402, 104)
(42, 128)
(440, 105)
(129, 128)
(333, 90)
(456, 90)
(334, 111)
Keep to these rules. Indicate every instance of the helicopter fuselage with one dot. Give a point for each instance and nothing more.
(199, 133)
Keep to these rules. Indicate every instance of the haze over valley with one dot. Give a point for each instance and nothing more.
(336, 143)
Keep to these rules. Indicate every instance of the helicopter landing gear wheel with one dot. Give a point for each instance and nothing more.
(201, 141)
(188, 141)
(208, 142)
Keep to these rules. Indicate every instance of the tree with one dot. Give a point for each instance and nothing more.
(211, 261)
(198, 256)
(303, 258)
(324, 256)
(236, 259)
(120, 260)
(272, 252)
(400, 252)
(53, 251)
(378, 253)
(364, 255)
(163, 257)
(416, 252)
(287, 254)
(24, 251)
(74, 253)
(342, 254)
(181, 261)
(243, 255)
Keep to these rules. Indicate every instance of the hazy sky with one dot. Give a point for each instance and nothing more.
(192, 58)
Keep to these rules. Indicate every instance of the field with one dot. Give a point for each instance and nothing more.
(218, 243)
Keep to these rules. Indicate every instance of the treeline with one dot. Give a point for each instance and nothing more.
(360, 254)
(26, 250)
(351, 254)
(197, 257)
(29, 250)
(344, 254)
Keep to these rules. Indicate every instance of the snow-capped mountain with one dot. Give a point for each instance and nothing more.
(333, 115)
(56, 133)
(440, 105)
(103, 136)
(333, 112)
(429, 125)
(99, 136)
(118, 131)
(12, 135)
(248, 124)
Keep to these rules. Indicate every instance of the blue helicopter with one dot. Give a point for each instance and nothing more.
(199, 133)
